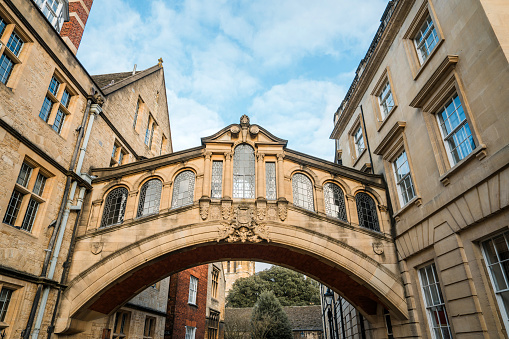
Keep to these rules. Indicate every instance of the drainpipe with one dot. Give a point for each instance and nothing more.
(95, 109)
(33, 309)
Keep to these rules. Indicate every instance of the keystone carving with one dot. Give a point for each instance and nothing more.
(243, 227)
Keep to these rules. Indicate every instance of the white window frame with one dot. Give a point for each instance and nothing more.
(193, 290)
(58, 15)
(357, 137)
(382, 101)
(504, 310)
(430, 309)
(399, 182)
(433, 28)
(190, 332)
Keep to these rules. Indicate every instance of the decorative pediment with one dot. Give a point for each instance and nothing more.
(243, 131)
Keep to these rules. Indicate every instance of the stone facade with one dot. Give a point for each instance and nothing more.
(234, 270)
(54, 141)
(448, 204)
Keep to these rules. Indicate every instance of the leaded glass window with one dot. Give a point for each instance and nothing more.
(66, 98)
(334, 201)
(5, 299)
(244, 172)
(217, 179)
(435, 305)
(114, 207)
(28, 220)
(366, 210)
(150, 197)
(40, 183)
(270, 180)
(24, 174)
(13, 208)
(183, 189)
(54, 85)
(302, 192)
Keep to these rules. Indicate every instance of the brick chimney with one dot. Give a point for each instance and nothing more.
(72, 31)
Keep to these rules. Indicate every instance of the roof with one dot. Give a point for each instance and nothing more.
(103, 80)
(112, 82)
(302, 318)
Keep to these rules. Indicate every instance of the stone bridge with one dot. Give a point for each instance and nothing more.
(242, 195)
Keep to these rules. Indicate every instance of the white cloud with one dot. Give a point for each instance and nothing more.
(300, 111)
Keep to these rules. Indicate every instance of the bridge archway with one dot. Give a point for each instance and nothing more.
(112, 264)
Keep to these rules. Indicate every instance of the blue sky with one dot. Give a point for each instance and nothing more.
(285, 63)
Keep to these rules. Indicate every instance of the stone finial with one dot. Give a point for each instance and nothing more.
(160, 62)
(244, 121)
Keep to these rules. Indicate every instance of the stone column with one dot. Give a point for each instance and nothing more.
(166, 196)
(352, 209)
(260, 176)
(280, 177)
(206, 175)
(131, 208)
(228, 177)
(320, 205)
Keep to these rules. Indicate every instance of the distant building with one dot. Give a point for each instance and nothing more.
(234, 270)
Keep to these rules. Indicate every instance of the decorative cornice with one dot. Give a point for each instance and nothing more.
(389, 138)
(442, 70)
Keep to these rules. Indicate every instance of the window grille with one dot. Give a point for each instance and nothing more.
(183, 189)
(24, 174)
(13, 208)
(366, 210)
(150, 197)
(114, 207)
(217, 179)
(426, 39)
(193, 290)
(40, 183)
(270, 178)
(434, 301)
(213, 325)
(334, 201)
(244, 172)
(403, 178)
(455, 130)
(496, 254)
(302, 192)
(5, 299)
(28, 221)
(190, 332)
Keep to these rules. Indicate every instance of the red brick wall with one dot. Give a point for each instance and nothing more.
(73, 29)
(180, 312)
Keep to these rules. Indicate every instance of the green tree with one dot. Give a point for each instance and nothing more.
(269, 320)
(290, 288)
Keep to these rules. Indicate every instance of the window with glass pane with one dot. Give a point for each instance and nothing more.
(193, 290)
(403, 178)
(15, 44)
(217, 179)
(244, 172)
(215, 282)
(359, 141)
(54, 85)
(270, 180)
(302, 192)
(455, 130)
(183, 189)
(45, 109)
(114, 152)
(190, 332)
(434, 302)
(150, 197)
(6, 66)
(13, 208)
(334, 201)
(5, 299)
(28, 220)
(24, 174)
(426, 39)
(385, 100)
(2, 26)
(40, 183)
(147, 133)
(366, 210)
(496, 254)
(66, 97)
(59, 121)
(213, 325)
(121, 325)
(148, 331)
(114, 207)
(136, 113)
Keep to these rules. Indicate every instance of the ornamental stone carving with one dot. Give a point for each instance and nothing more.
(204, 208)
(96, 247)
(283, 210)
(254, 130)
(244, 120)
(215, 213)
(378, 248)
(226, 211)
(243, 227)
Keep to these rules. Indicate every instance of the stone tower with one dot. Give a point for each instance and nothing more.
(234, 270)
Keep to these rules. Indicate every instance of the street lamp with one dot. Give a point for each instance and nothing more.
(329, 300)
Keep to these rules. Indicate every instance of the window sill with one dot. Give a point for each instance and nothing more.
(427, 61)
(479, 152)
(417, 201)
(359, 157)
(191, 304)
(382, 122)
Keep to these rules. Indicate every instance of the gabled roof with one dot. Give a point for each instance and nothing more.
(110, 83)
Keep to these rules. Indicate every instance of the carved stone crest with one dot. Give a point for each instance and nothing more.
(378, 248)
(243, 227)
(96, 247)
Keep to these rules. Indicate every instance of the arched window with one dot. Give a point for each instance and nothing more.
(366, 210)
(114, 207)
(302, 192)
(244, 172)
(150, 197)
(183, 189)
(334, 201)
